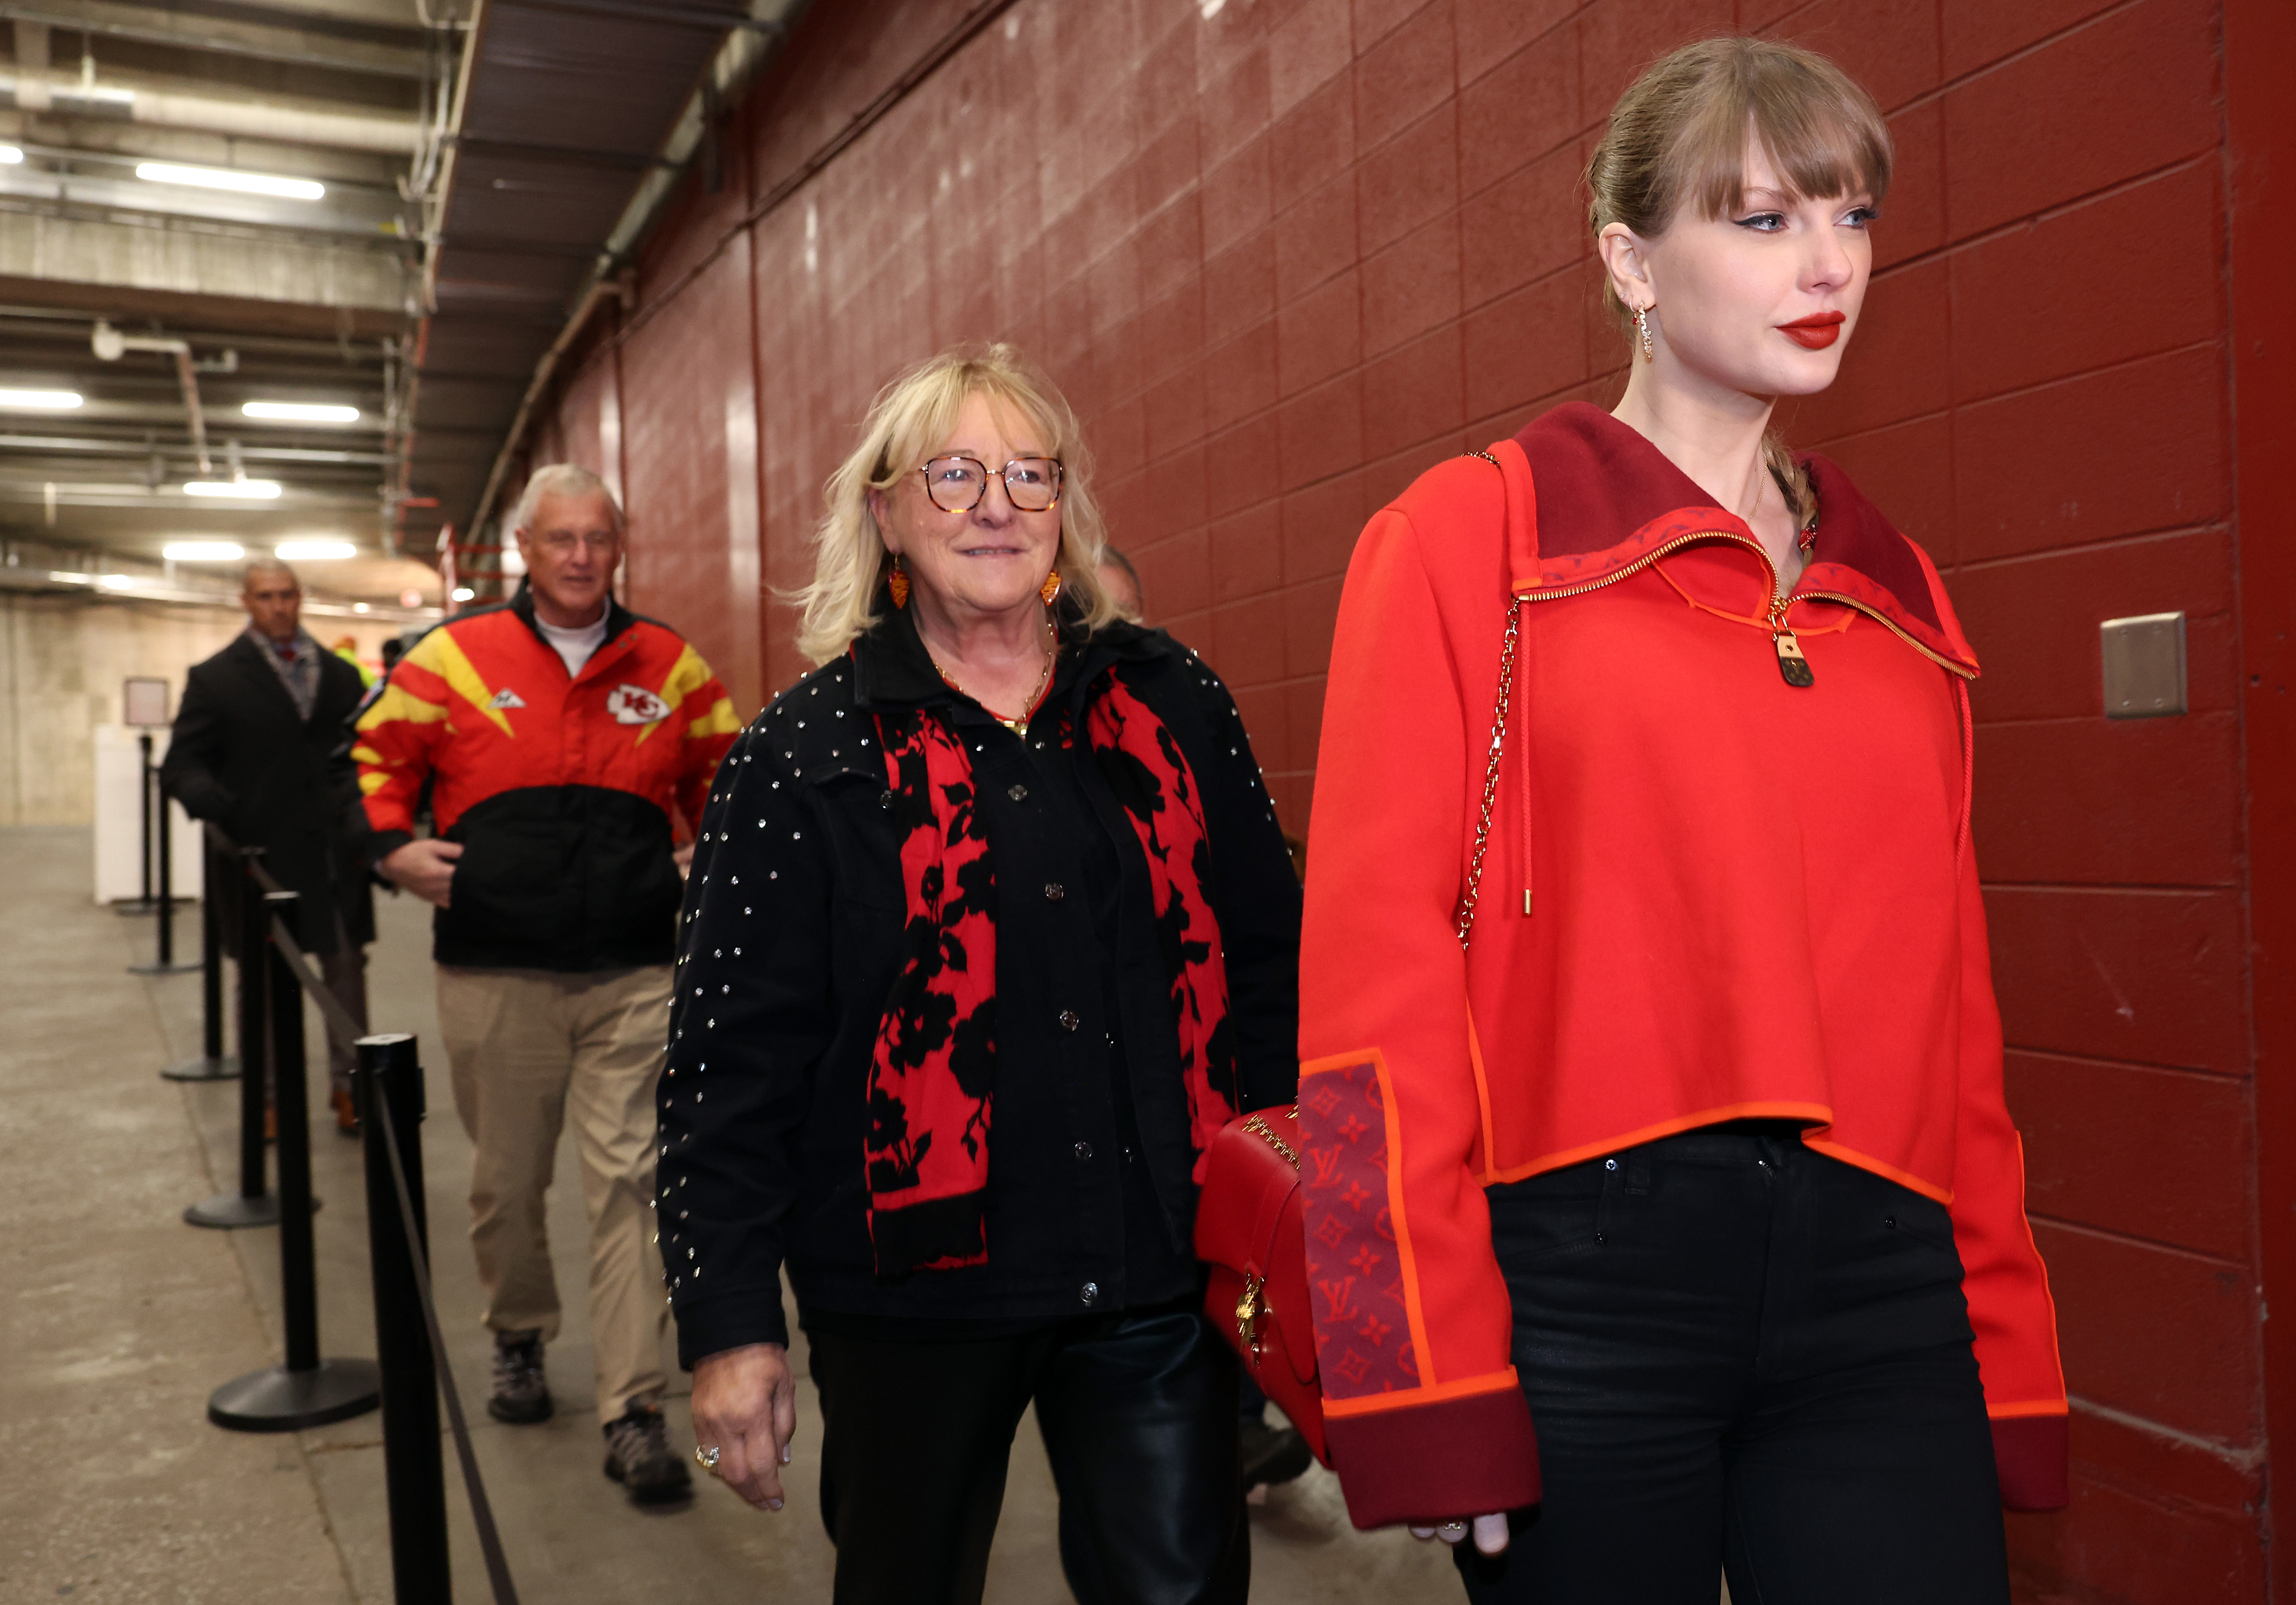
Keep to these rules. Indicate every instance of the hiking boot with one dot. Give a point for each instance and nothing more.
(638, 1457)
(345, 1111)
(522, 1391)
(1272, 1454)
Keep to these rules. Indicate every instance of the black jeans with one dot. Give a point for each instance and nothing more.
(1743, 1357)
(1138, 1412)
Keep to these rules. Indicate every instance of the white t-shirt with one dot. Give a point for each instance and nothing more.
(574, 646)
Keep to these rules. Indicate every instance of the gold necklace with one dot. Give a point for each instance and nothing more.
(1019, 727)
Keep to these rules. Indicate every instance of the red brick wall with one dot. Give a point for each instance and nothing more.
(1284, 254)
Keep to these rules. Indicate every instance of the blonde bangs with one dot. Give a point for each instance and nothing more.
(911, 418)
(1821, 143)
(1681, 133)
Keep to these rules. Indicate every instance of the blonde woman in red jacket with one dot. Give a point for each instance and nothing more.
(1663, 1211)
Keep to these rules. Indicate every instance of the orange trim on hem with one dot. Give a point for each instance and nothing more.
(1888, 1172)
(2009, 1413)
(1817, 1113)
(1405, 1398)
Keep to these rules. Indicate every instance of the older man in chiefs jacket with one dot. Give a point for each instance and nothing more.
(560, 734)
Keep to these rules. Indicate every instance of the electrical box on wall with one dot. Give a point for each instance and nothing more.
(2144, 666)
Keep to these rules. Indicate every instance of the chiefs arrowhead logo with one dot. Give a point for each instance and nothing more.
(635, 705)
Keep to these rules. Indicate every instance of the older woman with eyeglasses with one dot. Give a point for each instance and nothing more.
(990, 929)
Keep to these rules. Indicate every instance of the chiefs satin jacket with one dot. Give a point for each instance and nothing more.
(1729, 875)
(559, 790)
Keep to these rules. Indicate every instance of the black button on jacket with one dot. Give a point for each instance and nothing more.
(790, 939)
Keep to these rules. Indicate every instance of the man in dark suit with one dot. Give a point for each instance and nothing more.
(258, 749)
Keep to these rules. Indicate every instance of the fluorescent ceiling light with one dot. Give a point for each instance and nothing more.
(463, 593)
(116, 582)
(203, 551)
(10, 155)
(358, 607)
(314, 551)
(32, 400)
(253, 184)
(300, 412)
(244, 490)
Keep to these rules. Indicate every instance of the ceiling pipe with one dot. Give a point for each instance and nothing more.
(738, 61)
(259, 42)
(208, 114)
(110, 344)
(34, 444)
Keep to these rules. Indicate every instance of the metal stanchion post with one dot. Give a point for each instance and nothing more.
(165, 964)
(144, 904)
(415, 1469)
(307, 1391)
(211, 1064)
(252, 1205)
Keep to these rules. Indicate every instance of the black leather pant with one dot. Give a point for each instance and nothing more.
(1741, 1356)
(1138, 1412)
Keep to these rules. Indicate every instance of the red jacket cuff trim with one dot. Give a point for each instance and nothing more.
(1466, 1456)
(2032, 1455)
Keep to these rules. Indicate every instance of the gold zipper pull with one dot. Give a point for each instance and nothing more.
(1792, 664)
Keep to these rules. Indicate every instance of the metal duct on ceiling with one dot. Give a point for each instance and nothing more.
(563, 112)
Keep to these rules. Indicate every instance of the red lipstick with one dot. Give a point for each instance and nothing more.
(1814, 332)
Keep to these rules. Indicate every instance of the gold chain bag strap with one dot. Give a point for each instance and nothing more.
(1465, 924)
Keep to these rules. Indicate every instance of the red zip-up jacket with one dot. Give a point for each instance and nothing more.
(559, 787)
(1707, 894)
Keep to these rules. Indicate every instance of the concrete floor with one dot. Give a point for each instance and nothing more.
(119, 1320)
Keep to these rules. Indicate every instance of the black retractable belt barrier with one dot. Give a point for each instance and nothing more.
(408, 1340)
(307, 1391)
(211, 1064)
(252, 1205)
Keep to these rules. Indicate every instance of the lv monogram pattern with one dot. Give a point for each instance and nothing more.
(1363, 1325)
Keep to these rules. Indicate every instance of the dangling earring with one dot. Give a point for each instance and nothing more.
(1051, 588)
(1642, 327)
(897, 582)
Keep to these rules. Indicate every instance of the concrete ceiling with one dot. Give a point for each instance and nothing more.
(576, 118)
(485, 165)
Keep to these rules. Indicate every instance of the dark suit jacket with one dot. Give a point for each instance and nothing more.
(242, 759)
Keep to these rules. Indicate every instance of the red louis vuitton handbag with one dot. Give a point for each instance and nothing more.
(1250, 1229)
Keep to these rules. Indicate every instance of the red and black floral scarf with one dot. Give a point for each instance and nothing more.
(932, 1079)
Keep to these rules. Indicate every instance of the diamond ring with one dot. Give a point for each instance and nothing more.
(708, 1457)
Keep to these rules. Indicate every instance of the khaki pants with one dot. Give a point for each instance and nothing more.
(526, 1046)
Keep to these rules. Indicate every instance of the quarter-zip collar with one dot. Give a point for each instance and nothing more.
(1598, 500)
(618, 620)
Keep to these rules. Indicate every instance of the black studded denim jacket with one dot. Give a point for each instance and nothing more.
(790, 941)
